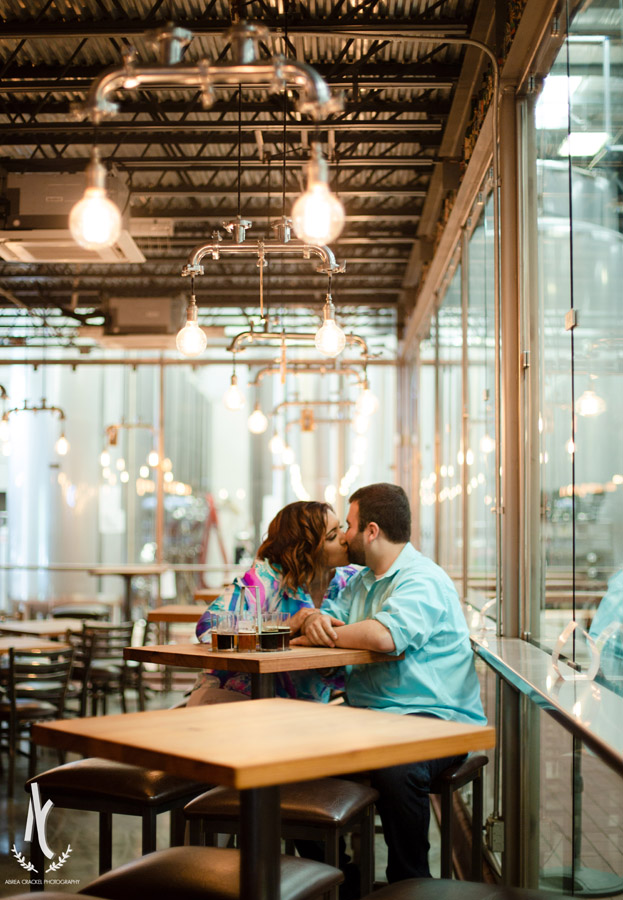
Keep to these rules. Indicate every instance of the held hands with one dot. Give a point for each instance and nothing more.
(318, 629)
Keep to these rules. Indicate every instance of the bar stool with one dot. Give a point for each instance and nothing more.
(449, 781)
(320, 810)
(106, 787)
(449, 889)
(206, 873)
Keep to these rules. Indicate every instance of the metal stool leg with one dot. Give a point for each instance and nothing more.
(149, 831)
(366, 852)
(446, 833)
(105, 849)
(477, 812)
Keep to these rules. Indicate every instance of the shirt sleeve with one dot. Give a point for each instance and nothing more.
(412, 610)
(338, 605)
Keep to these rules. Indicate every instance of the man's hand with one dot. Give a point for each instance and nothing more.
(318, 630)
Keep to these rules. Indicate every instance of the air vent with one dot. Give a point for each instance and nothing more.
(57, 246)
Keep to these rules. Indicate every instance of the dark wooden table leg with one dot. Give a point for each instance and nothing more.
(262, 686)
(260, 844)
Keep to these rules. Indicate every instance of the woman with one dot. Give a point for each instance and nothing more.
(302, 561)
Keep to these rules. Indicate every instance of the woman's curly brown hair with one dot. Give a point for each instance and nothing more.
(295, 542)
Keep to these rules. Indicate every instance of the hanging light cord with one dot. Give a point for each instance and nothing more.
(285, 109)
(239, 147)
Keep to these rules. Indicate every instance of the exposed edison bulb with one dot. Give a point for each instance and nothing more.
(124, 476)
(144, 471)
(367, 403)
(62, 445)
(233, 398)
(153, 459)
(191, 340)
(590, 404)
(317, 215)
(257, 422)
(330, 340)
(287, 456)
(95, 221)
(104, 459)
(275, 444)
(487, 444)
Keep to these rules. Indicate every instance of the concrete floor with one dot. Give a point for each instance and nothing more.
(79, 830)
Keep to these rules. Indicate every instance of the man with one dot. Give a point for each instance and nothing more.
(401, 602)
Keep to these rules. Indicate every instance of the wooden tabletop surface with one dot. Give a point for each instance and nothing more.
(21, 642)
(263, 742)
(200, 656)
(177, 612)
(45, 627)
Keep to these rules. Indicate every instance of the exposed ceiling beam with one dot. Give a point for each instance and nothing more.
(136, 163)
(121, 28)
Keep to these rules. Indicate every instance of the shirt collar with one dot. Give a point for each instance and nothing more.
(406, 555)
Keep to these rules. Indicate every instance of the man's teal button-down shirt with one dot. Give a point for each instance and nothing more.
(417, 601)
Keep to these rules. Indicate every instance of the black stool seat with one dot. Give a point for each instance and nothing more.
(100, 779)
(108, 787)
(455, 777)
(447, 889)
(310, 810)
(206, 873)
(54, 895)
(330, 802)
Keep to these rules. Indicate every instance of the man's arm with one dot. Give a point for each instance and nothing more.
(321, 630)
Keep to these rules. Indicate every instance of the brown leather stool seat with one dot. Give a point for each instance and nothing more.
(53, 895)
(110, 787)
(449, 781)
(447, 889)
(206, 873)
(318, 810)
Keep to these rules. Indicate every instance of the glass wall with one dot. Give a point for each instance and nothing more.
(578, 124)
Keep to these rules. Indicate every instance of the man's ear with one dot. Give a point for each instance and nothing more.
(372, 531)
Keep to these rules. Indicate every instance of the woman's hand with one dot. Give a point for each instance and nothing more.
(318, 630)
(296, 621)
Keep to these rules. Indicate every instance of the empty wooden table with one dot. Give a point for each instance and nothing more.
(258, 746)
(127, 572)
(176, 612)
(45, 627)
(22, 642)
(261, 666)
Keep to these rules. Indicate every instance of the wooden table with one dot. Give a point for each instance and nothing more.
(127, 572)
(20, 642)
(45, 627)
(258, 746)
(177, 612)
(262, 667)
(207, 595)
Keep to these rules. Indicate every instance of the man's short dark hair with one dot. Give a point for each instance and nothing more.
(388, 506)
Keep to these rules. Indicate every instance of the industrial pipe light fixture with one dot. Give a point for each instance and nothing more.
(96, 230)
(95, 221)
(62, 444)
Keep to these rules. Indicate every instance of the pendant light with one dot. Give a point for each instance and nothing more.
(317, 215)
(95, 221)
(330, 340)
(191, 340)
